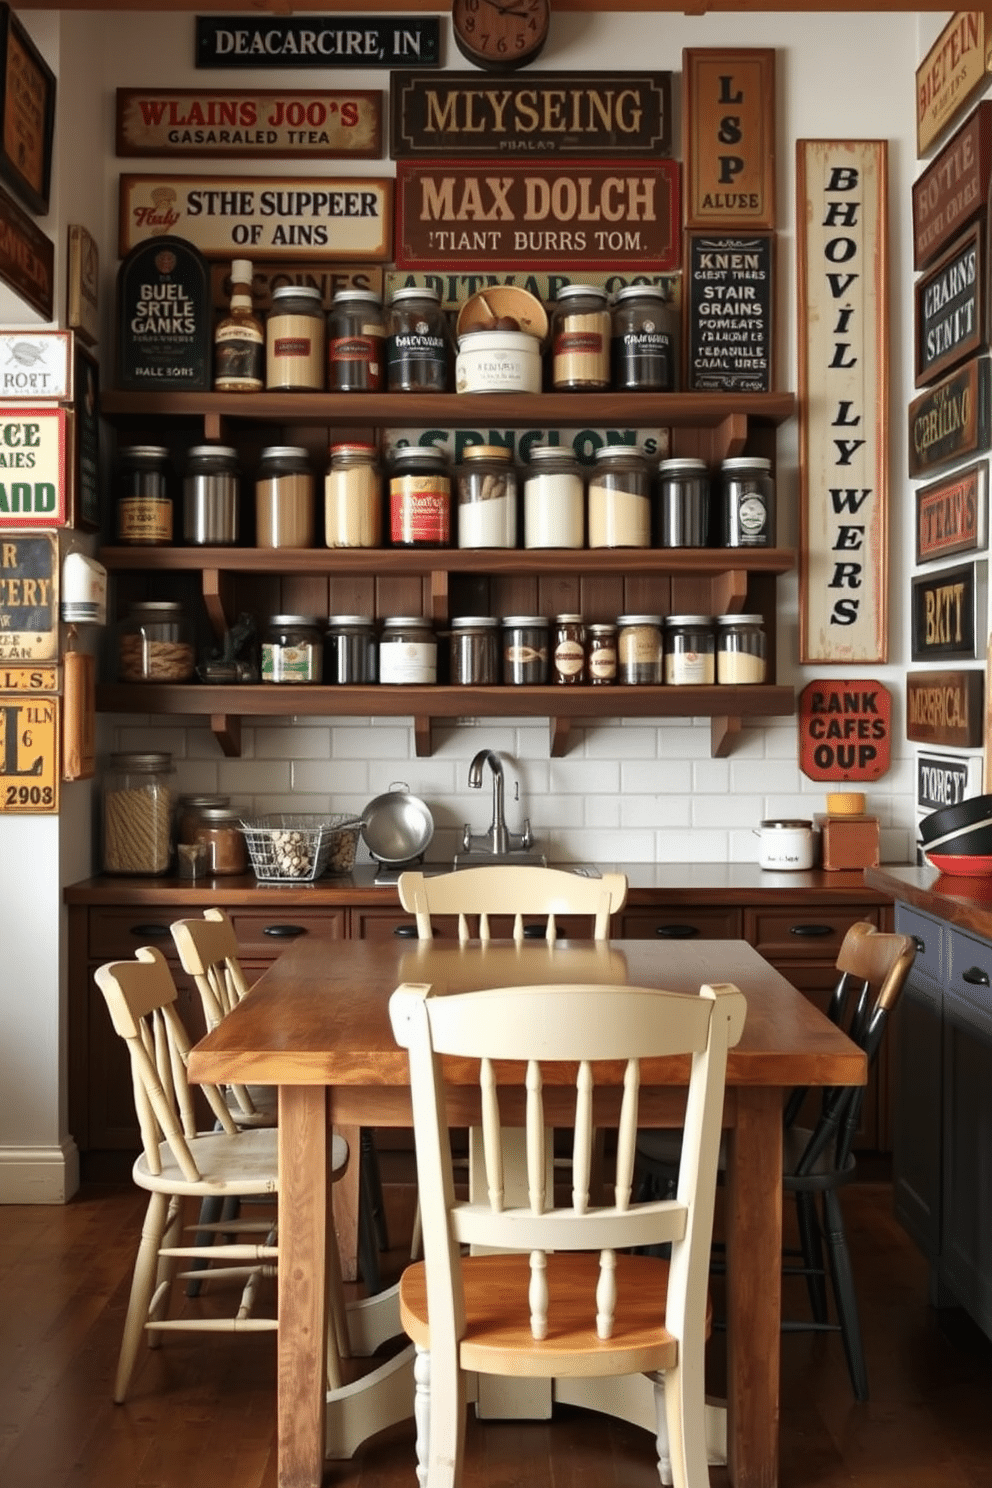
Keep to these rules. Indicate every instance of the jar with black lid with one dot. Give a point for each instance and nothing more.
(356, 342)
(748, 502)
(292, 649)
(487, 497)
(690, 650)
(644, 340)
(601, 654)
(474, 650)
(419, 349)
(294, 340)
(351, 650)
(683, 488)
(144, 504)
(568, 662)
(580, 339)
(419, 498)
(210, 495)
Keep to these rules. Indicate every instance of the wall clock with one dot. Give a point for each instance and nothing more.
(500, 34)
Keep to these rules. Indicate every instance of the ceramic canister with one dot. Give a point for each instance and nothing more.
(498, 362)
(786, 845)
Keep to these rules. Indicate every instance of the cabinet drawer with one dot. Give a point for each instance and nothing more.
(804, 934)
(969, 977)
(263, 934)
(710, 922)
(928, 934)
(115, 934)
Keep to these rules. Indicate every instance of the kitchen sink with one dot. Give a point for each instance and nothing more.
(499, 860)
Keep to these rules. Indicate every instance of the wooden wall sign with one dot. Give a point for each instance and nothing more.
(583, 443)
(83, 285)
(301, 123)
(951, 307)
(29, 600)
(339, 217)
(27, 114)
(952, 70)
(453, 115)
(502, 211)
(841, 193)
(728, 104)
(33, 467)
(954, 188)
(455, 288)
(948, 614)
(29, 755)
(36, 364)
(85, 442)
(952, 420)
(265, 277)
(27, 258)
(845, 730)
(945, 708)
(729, 318)
(941, 780)
(952, 514)
(318, 41)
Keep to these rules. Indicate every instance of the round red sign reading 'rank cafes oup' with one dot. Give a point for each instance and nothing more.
(845, 730)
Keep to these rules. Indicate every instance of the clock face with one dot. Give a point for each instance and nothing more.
(500, 34)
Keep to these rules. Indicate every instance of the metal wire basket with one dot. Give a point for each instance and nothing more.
(284, 848)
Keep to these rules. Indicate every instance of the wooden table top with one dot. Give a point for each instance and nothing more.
(319, 1014)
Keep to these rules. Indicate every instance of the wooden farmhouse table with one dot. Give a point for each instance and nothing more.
(316, 1025)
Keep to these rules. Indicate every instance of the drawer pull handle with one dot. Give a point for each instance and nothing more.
(284, 932)
(150, 932)
(676, 932)
(975, 977)
(406, 932)
(811, 931)
(920, 944)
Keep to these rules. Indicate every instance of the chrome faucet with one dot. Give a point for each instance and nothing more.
(498, 841)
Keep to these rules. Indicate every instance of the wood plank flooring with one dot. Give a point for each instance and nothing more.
(201, 1410)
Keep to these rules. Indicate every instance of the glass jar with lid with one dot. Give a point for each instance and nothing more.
(419, 349)
(407, 651)
(487, 497)
(526, 649)
(748, 502)
(601, 653)
(580, 339)
(137, 803)
(144, 502)
(644, 340)
(419, 498)
(188, 807)
(351, 650)
(619, 498)
(690, 650)
(683, 488)
(356, 343)
(217, 829)
(640, 652)
(284, 498)
(210, 495)
(353, 497)
(475, 659)
(741, 650)
(294, 340)
(568, 654)
(292, 649)
(554, 499)
(155, 643)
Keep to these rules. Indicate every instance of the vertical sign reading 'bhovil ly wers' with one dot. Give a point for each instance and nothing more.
(843, 399)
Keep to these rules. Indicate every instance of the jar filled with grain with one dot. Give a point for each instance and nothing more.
(137, 804)
(487, 497)
(284, 498)
(353, 497)
(619, 499)
(580, 339)
(155, 643)
(554, 499)
(741, 650)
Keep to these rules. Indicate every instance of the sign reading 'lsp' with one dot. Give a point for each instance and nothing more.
(845, 730)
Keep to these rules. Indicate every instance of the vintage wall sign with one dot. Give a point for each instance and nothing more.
(728, 102)
(945, 708)
(502, 211)
(943, 780)
(841, 193)
(455, 288)
(951, 308)
(29, 755)
(330, 216)
(952, 70)
(265, 277)
(29, 602)
(318, 41)
(27, 113)
(83, 285)
(582, 442)
(729, 331)
(845, 730)
(36, 364)
(952, 514)
(217, 121)
(29, 678)
(954, 188)
(27, 258)
(948, 614)
(164, 321)
(952, 420)
(32, 467)
(85, 441)
(457, 114)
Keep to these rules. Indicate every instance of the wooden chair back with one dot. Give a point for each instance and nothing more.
(208, 952)
(475, 894)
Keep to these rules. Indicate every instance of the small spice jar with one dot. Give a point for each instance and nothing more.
(137, 813)
(353, 497)
(644, 340)
(419, 498)
(188, 809)
(284, 498)
(292, 649)
(525, 644)
(601, 654)
(294, 340)
(407, 651)
(475, 653)
(356, 343)
(144, 505)
(619, 499)
(218, 830)
(155, 643)
(580, 339)
(741, 649)
(419, 350)
(568, 657)
(554, 499)
(683, 490)
(747, 502)
(690, 650)
(640, 653)
(487, 497)
(210, 495)
(351, 650)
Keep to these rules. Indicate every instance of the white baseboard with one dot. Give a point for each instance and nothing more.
(39, 1175)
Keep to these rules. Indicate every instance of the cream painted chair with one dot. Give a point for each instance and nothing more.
(476, 894)
(571, 1304)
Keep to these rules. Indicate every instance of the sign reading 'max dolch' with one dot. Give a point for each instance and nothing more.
(318, 41)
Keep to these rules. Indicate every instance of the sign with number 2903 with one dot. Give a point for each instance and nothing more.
(29, 755)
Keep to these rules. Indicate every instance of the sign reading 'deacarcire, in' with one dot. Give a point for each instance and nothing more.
(318, 41)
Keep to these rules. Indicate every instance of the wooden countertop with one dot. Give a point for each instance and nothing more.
(966, 902)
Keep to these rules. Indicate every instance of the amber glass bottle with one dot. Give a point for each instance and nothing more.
(239, 340)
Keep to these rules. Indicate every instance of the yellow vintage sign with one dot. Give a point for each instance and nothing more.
(29, 755)
(29, 679)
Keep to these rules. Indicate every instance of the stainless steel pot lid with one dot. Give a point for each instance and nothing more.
(786, 824)
(397, 827)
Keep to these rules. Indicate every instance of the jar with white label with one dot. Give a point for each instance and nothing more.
(487, 497)
(645, 340)
(292, 650)
(580, 339)
(568, 661)
(619, 499)
(419, 349)
(353, 497)
(419, 498)
(407, 651)
(640, 653)
(741, 650)
(294, 340)
(690, 650)
(601, 654)
(748, 495)
(554, 499)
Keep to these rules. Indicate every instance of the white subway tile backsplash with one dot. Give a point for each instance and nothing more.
(602, 811)
(297, 741)
(580, 778)
(710, 777)
(246, 778)
(370, 743)
(615, 742)
(674, 812)
(649, 777)
(330, 777)
(724, 811)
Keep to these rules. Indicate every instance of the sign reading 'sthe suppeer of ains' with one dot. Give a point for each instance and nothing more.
(729, 318)
(318, 41)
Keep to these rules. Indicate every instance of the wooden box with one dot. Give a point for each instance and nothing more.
(848, 841)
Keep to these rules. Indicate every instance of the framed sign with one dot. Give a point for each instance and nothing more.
(953, 189)
(943, 780)
(27, 258)
(32, 467)
(841, 195)
(36, 364)
(29, 600)
(300, 123)
(945, 708)
(728, 320)
(948, 614)
(83, 285)
(85, 491)
(27, 114)
(952, 420)
(951, 308)
(29, 755)
(728, 134)
(454, 288)
(845, 730)
(952, 514)
(583, 443)
(950, 73)
(311, 41)
(267, 276)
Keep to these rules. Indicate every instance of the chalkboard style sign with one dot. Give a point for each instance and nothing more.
(728, 319)
(164, 318)
(952, 308)
(952, 420)
(948, 607)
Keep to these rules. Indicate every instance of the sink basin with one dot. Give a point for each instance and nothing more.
(500, 860)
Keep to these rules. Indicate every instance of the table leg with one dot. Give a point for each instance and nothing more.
(754, 1287)
(346, 1204)
(304, 1212)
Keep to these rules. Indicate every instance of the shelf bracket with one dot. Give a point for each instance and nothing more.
(226, 729)
(729, 592)
(723, 732)
(439, 595)
(558, 737)
(217, 589)
(422, 737)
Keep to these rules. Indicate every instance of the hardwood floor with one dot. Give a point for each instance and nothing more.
(201, 1410)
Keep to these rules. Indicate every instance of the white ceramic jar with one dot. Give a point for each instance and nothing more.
(498, 362)
(786, 845)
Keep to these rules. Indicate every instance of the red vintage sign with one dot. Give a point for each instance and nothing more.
(845, 730)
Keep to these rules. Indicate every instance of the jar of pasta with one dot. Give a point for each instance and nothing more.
(155, 643)
(353, 497)
(137, 813)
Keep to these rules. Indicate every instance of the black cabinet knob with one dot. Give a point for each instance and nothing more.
(676, 932)
(810, 932)
(975, 977)
(284, 932)
(150, 932)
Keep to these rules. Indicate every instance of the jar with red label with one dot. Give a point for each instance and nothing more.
(294, 340)
(580, 339)
(419, 498)
(356, 343)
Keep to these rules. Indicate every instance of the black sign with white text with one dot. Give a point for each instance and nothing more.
(941, 780)
(729, 297)
(318, 41)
